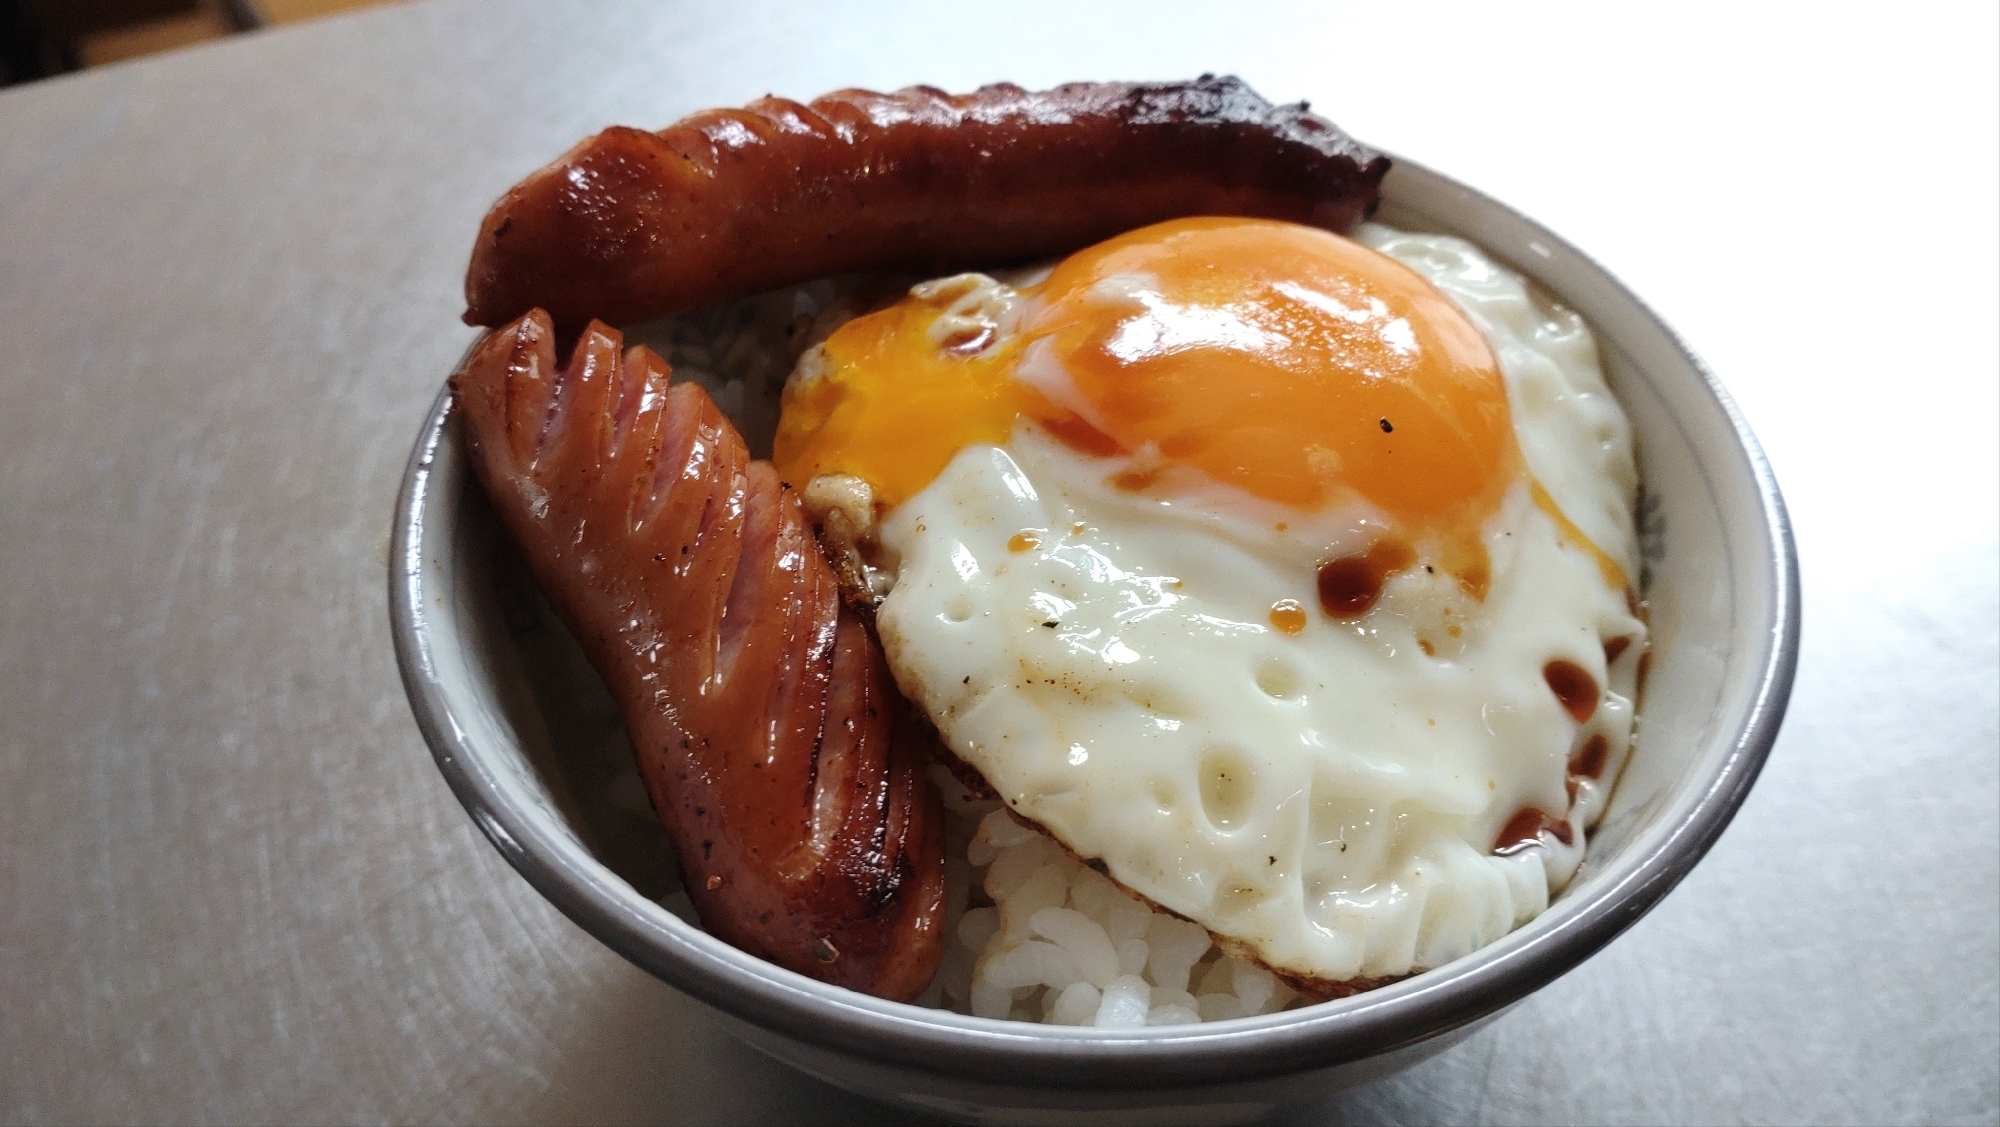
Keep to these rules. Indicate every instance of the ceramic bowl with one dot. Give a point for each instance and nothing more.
(527, 740)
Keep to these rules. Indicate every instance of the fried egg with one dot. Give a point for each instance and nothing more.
(1286, 577)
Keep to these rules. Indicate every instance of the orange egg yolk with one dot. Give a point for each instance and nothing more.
(1291, 363)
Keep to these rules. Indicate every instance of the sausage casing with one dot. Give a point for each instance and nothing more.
(630, 225)
(763, 716)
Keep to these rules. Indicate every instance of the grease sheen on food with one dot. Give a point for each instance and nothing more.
(1111, 542)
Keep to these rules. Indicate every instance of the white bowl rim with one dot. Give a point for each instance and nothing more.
(1017, 1054)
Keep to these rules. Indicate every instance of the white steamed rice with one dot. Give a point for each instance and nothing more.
(1033, 935)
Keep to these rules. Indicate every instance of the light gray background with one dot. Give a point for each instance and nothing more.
(232, 886)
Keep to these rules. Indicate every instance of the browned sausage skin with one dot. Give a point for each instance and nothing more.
(763, 716)
(630, 225)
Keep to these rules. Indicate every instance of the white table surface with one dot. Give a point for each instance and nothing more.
(233, 887)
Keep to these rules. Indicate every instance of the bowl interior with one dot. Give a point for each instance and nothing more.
(532, 743)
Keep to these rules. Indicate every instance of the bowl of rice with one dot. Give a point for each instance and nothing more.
(1061, 997)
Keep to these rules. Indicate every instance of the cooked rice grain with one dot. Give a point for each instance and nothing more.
(1035, 936)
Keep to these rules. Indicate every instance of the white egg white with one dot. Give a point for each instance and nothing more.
(1329, 799)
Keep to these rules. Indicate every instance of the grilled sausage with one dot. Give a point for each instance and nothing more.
(762, 713)
(630, 225)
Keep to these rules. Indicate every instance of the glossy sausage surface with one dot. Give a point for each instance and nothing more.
(630, 225)
(766, 726)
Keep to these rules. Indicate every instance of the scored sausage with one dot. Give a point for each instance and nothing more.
(784, 764)
(630, 225)
(762, 714)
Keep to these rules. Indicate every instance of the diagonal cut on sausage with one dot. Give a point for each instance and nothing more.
(765, 723)
(630, 225)
(786, 767)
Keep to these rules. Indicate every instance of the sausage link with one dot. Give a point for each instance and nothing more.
(630, 225)
(760, 709)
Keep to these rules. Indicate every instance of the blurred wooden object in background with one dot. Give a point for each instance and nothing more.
(39, 38)
(111, 42)
(292, 11)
